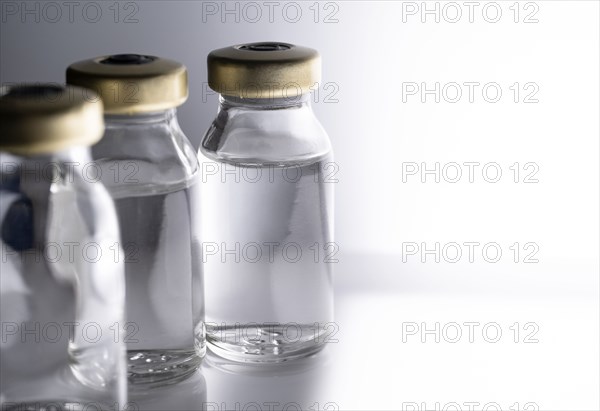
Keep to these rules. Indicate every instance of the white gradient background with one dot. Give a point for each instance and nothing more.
(368, 53)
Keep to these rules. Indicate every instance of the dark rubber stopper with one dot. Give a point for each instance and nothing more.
(265, 47)
(127, 59)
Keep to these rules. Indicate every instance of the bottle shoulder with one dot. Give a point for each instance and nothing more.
(266, 137)
(151, 159)
(67, 200)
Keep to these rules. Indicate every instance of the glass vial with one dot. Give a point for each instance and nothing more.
(62, 284)
(267, 206)
(152, 172)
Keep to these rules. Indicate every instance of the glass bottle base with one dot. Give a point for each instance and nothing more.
(160, 367)
(264, 343)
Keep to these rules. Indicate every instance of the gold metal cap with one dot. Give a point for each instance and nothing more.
(263, 70)
(132, 83)
(39, 119)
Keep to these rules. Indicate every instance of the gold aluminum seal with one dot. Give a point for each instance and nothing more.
(132, 83)
(263, 70)
(41, 119)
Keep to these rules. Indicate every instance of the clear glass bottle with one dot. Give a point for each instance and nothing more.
(62, 284)
(152, 171)
(267, 206)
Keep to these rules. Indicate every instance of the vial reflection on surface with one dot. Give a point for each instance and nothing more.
(296, 385)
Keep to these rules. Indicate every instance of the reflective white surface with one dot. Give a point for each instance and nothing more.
(381, 362)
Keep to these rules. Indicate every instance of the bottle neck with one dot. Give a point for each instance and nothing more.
(163, 116)
(64, 165)
(69, 155)
(297, 101)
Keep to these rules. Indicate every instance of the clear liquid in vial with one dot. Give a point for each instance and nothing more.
(267, 250)
(164, 330)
